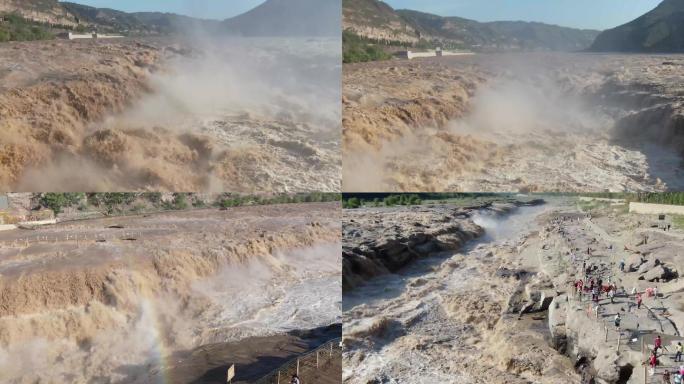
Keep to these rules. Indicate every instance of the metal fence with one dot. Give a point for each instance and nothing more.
(305, 366)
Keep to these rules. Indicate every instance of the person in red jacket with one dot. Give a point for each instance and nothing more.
(653, 359)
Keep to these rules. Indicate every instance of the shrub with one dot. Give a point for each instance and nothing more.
(57, 201)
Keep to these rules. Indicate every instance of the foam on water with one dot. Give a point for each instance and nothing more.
(297, 290)
(396, 296)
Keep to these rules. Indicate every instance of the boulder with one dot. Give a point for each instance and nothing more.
(655, 274)
(633, 262)
(648, 265)
(659, 273)
(607, 365)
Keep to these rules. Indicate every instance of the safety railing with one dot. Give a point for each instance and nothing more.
(305, 366)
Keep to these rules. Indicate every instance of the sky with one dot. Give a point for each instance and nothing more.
(588, 14)
(207, 9)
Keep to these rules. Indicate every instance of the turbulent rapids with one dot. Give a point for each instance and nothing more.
(435, 319)
(439, 293)
(245, 115)
(90, 301)
(514, 122)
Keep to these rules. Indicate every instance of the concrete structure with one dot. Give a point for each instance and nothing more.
(436, 53)
(27, 224)
(656, 209)
(75, 36)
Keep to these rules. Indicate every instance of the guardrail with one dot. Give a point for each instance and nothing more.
(304, 365)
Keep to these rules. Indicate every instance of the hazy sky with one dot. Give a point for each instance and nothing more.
(208, 9)
(595, 14)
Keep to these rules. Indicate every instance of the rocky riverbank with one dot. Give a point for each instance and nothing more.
(503, 306)
(384, 240)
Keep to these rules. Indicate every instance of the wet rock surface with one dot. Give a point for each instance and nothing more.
(384, 240)
(446, 318)
(507, 309)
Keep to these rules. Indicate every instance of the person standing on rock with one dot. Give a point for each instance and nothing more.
(622, 265)
(666, 377)
(680, 350)
(638, 300)
(611, 295)
(658, 343)
(617, 321)
(653, 360)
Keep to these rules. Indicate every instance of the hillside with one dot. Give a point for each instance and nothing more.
(134, 23)
(272, 18)
(660, 30)
(376, 20)
(44, 11)
(288, 18)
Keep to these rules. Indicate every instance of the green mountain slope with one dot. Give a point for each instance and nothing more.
(661, 30)
(376, 20)
(499, 35)
(271, 18)
(105, 19)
